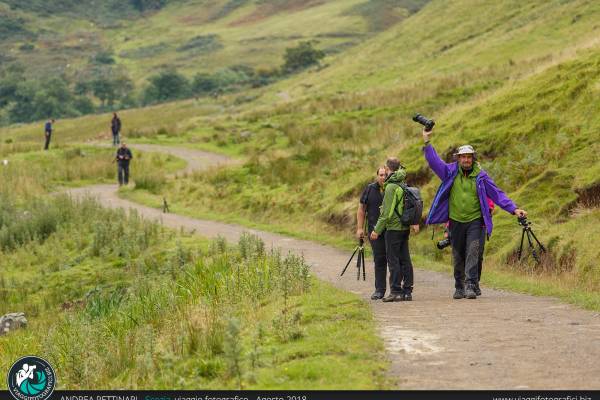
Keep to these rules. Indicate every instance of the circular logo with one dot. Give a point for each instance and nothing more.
(31, 378)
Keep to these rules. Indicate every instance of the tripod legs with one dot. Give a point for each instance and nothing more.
(527, 231)
(360, 262)
(363, 265)
(521, 245)
(350, 260)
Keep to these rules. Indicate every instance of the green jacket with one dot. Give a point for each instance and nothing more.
(393, 199)
(464, 200)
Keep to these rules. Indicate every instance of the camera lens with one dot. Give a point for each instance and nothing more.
(442, 244)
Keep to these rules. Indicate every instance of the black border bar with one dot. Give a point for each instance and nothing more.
(320, 395)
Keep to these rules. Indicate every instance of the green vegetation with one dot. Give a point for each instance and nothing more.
(32, 172)
(302, 56)
(520, 85)
(115, 301)
(106, 55)
(530, 116)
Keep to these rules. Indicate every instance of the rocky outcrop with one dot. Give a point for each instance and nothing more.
(11, 322)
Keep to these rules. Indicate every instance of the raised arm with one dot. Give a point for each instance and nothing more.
(436, 164)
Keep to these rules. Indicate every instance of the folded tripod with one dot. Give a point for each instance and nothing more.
(360, 261)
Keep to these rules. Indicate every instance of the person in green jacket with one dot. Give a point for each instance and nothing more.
(396, 234)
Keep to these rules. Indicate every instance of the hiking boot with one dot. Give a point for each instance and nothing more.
(470, 292)
(459, 293)
(393, 297)
(477, 290)
(407, 297)
(377, 296)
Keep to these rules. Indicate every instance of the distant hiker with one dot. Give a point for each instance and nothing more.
(462, 198)
(115, 127)
(123, 157)
(370, 203)
(396, 234)
(48, 132)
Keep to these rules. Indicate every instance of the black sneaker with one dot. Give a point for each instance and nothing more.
(459, 294)
(470, 292)
(407, 297)
(477, 290)
(377, 296)
(393, 297)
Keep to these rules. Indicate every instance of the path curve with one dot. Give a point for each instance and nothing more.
(502, 340)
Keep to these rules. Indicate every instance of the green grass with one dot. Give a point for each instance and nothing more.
(114, 301)
(254, 34)
(526, 105)
(30, 171)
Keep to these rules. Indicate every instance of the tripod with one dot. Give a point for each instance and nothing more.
(360, 261)
(529, 232)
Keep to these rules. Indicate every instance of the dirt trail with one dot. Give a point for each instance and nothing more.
(501, 340)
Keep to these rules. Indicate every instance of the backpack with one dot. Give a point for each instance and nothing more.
(413, 206)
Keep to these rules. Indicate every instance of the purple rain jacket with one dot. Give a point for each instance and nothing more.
(486, 188)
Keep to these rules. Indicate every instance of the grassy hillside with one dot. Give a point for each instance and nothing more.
(519, 84)
(62, 36)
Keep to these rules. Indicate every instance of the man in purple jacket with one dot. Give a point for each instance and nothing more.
(462, 199)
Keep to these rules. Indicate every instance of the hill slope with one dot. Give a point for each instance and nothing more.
(518, 81)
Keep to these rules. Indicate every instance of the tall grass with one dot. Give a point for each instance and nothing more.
(122, 333)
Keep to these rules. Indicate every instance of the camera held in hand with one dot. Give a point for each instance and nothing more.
(442, 244)
(427, 123)
(445, 242)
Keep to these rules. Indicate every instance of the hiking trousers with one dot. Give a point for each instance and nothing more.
(123, 173)
(399, 263)
(380, 259)
(48, 137)
(468, 241)
(116, 138)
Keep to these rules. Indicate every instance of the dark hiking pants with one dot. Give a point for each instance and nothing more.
(378, 247)
(48, 137)
(468, 241)
(399, 263)
(123, 173)
(116, 139)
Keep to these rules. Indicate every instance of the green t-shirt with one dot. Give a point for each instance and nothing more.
(464, 201)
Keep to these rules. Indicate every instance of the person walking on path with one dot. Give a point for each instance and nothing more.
(48, 132)
(462, 199)
(369, 207)
(123, 158)
(396, 234)
(115, 127)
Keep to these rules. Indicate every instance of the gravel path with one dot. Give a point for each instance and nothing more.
(501, 340)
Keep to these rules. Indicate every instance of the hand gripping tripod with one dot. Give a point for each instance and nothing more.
(360, 261)
(530, 235)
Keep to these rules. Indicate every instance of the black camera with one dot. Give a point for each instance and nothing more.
(427, 123)
(445, 242)
(442, 244)
(523, 221)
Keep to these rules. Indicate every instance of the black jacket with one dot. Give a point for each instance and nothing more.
(116, 124)
(123, 155)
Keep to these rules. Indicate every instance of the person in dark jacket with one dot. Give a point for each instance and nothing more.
(123, 157)
(115, 127)
(48, 132)
(396, 234)
(369, 206)
(462, 199)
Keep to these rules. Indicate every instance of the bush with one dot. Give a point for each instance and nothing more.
(150, 182)
(103, 57)
(302, 56)
(167, 85)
